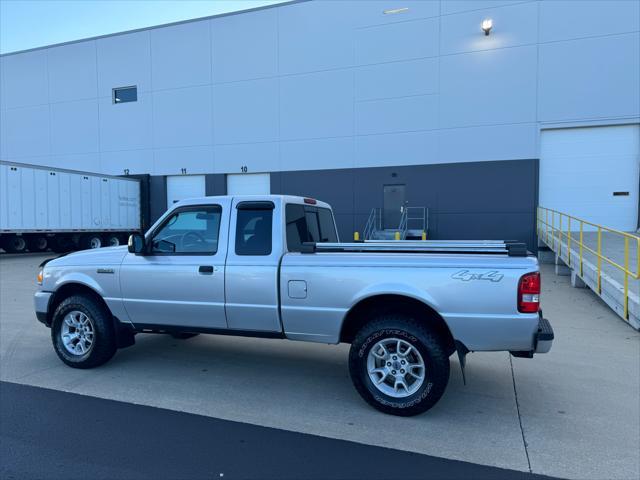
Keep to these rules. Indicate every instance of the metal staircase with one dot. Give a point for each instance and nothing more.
(413, 222)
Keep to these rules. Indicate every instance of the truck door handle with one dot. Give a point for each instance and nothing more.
(206, 269)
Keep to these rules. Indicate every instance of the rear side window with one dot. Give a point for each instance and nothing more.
(308, 224)
(253, 231)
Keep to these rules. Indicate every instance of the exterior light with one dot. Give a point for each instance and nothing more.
(395, 10)
(487, 25)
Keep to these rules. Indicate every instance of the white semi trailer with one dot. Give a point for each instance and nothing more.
(65, 210)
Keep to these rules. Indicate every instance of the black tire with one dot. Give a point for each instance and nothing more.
(14, 244)
(420, 337)
(183, 335)
(111, 240)
(104, 339)
(90, 241)
(38, 243)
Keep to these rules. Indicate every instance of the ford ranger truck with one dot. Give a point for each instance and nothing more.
(272, 266)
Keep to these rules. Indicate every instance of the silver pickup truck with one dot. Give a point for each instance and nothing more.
(272, 266)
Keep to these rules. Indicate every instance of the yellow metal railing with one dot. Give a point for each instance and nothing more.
(550, 229)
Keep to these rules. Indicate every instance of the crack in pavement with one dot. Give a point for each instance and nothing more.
(524, 440)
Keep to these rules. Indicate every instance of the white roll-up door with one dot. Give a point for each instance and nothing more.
(249, 184)
(180, 187)
(592, 173)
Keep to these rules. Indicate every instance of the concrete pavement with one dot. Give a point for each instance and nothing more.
(571, 413)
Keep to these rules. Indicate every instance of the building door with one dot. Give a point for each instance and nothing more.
(180, 187)
(394, 201)
(592, 173)
(249, 184)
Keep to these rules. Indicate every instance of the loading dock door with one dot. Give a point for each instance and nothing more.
(249, 184)
(592, 173)
(180, 187)
(394, 200)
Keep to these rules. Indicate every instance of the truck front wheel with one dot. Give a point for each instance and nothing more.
(398, 365)
(82, 332)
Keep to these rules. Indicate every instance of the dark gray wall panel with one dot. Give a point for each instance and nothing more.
(475, 200)
(215, 184)
(158, 196)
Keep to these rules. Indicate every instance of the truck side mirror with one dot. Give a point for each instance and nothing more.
(136, 244)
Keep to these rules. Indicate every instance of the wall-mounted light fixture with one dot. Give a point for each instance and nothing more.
(395, 10)
(487, 25)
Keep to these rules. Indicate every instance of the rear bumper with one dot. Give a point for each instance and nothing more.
(544, 336)
(41, 305)
(542, 339)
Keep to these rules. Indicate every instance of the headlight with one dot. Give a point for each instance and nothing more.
(40, 276)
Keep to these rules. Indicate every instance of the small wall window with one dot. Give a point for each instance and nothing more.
(125, 94)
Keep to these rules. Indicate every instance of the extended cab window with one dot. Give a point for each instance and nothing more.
(308, 224)
(253, 228)
(193, 230)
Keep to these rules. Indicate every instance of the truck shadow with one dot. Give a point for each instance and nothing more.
(298, 371)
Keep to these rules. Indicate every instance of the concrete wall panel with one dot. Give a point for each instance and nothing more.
(488, 87)
(315, 36)
(405, 114)
(72, 72)
(24, 80)
(410, 148)
(325, 153)
(246, 112)
(397, 41)
(238, 56)
(316, 105)
(563, 20)
(590, 78)
(124, 60)
(397, 79)
(171, 161)
(74, 127)
(182, 117)
(126, 126)
(181, 55)
(25, 132)
(513, 25)
(257, 157)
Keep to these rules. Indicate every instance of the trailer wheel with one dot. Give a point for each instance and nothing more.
(14, 244)
(112, 240)
(90, 241)
(38, 243)
(398, 365)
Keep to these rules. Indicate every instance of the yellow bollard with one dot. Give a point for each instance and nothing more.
(397, 235)
(356, 236)
(424, 235)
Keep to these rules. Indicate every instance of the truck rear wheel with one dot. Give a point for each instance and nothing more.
(82, 332)
(111, 240)
(398, 365)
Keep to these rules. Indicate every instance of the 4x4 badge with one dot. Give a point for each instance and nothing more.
(467, 276)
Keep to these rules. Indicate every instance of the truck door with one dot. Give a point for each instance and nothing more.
(255, 248)
(180, 281)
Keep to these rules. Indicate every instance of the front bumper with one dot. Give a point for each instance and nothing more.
(41, 304)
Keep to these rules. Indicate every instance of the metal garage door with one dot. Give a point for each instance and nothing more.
(249, 184)
(180, 187)
(592, 173)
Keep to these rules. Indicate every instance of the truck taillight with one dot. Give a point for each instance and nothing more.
(529, 293)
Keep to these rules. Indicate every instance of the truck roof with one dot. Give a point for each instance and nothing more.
(273, 198)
